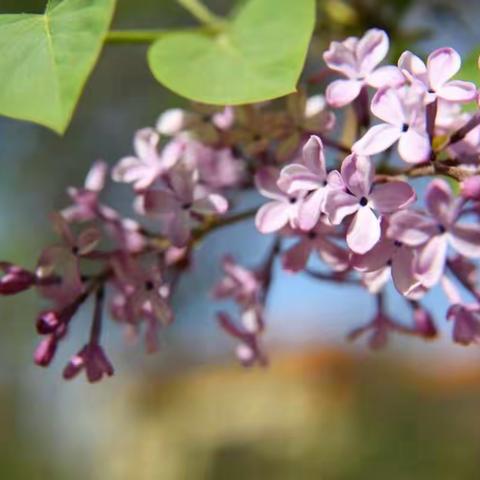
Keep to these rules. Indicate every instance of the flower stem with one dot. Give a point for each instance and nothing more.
(144, 36)
(203, 14)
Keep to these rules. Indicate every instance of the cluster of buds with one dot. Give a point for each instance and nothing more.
(358, 212)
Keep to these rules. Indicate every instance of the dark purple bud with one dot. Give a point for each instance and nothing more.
(45, 351)
(14, 279)
(48, 322)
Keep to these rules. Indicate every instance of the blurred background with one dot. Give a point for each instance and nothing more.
(325, 409)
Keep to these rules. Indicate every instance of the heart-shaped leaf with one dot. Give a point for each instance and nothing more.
(46, 59)
(259, 55)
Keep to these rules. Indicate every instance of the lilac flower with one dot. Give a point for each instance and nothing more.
(216, 168)
(185, 201)
(283, 208)
(308, 176)
(404, 119)
(379, 329)
(442, 65)
(433, 232)
(353, 193)
(145, 291)
(389, 258)
(357, 59)
(93, 360)
(248, 350)
(466, 326)
(86, 204)
(61, 262)
(316, 240)
(148, 164)
(239, 283)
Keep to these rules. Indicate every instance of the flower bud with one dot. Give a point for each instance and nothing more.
(15, 279)
(424, 324)
(470, 188)
(45, 351)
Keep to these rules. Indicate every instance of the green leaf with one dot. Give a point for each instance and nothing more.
(46, 59)
(259, 55)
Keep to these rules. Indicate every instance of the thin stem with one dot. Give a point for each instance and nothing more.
(202, 13)
(96, 330)
(145, 36)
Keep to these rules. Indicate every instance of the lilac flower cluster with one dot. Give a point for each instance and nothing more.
(358, 214)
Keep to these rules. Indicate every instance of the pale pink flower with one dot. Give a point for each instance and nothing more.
(433, 232)
(248, 350)
(283, 209)
(404, 122)
(390, 258)
(353, 193)
(358, 59)
(239, 283)
(149, 163)
(319, 240)
(442, 65)
(182, 203)
(309, 175)
(86, 204)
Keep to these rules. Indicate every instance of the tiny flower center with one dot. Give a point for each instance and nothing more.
(441, 229)
(397, 243)
(363, 201)
(75, 250)
(292, 199)
(186, 206)
(404, 127)
(312, 235)
(149, 285)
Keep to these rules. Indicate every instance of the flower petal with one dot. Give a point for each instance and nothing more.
(295, 259)
(391, 196)
(411, 228)
(311, 208)
(430, 262)
(442, 64)
(402, 272)
(377, 139)
(465, 239)
(414, 146)
(296, 177)
(266, 182)
(342, 92)
(364, 231)
(413, 67)
(387, 106)
(339, 204)
(357, 172)
(439, 200)
(387, 76)
(371, 50)
(458, 91)
(272, 217)
(313, 156)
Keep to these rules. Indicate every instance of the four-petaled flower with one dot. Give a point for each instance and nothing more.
(357, 59)
(354, 193)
